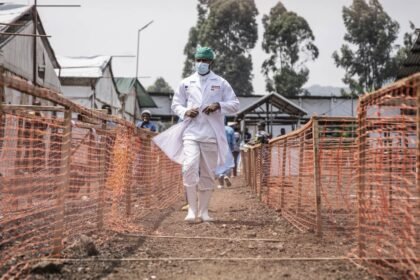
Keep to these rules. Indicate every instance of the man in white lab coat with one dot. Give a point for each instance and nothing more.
(202, 100)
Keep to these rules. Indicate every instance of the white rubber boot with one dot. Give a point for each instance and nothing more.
(192, 204)
(203, 205)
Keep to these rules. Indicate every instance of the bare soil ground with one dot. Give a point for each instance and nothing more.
(247, 241)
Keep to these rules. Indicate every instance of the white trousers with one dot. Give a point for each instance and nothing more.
(199, 164)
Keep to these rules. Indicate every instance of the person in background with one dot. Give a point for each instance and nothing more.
(223, 172)
(247, 136)
(236, 148)
(145, 123)
(110, 124)
(107, 108)
(262, 136)
(282, 131)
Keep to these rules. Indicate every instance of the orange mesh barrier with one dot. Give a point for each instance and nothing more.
(307, 174)
(30, 167)
(388, 180)
(61, 178)
(327, 178)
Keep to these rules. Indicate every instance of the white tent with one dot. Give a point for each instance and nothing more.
(89, 81)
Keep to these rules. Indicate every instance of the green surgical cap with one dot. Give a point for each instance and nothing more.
(204, 53)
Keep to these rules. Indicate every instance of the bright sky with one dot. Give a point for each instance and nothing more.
(109, 27)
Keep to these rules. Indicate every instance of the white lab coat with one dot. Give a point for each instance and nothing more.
(189, 95)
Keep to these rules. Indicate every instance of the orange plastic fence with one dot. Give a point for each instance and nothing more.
(60, 178)
(361, 177)
(307, 174)
(388, 179)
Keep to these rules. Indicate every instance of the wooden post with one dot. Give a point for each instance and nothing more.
(91, 158)
(283, 174)
(249, 174)
(300, 180)
(2, 122)
(102, 180)
(148, 171)
(2, 92)
(243, 166)
(63, 190)
(252, 169)
(267, 174)
(317, 177)
(260, 164)
(4, 190)
(35, 49)
(418, 137)
(254, 177)
(130, 171)
(361, 143)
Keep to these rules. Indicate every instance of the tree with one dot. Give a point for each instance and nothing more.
(409, 40)
(229, 27)
(160, 85)
(370, 62)
(288, 39)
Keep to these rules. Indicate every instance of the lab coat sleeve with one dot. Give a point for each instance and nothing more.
(179, 102)
(229, 103)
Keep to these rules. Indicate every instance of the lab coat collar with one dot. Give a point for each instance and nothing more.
(211, 76)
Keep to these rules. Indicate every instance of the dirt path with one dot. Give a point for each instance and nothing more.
(248, 241)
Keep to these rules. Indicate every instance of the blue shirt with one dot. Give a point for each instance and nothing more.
(148, 125)
(230, 136)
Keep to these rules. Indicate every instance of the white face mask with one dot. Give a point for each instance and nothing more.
(202, 67)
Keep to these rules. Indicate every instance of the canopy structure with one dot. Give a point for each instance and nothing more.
(274, 109)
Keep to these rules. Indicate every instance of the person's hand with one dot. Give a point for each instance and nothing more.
(192, 113)
(211, 108)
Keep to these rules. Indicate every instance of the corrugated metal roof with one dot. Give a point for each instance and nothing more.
(312, 105)
(10, 12)
(126, 85)
(278, 101)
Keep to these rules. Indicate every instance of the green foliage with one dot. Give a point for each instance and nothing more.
(288, 39)
(229, 27)
(160, 85)
(409, 40)
(368, 58)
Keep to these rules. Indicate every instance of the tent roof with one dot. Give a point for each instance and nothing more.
(83, 66)
(280, 102)
(125, 85)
